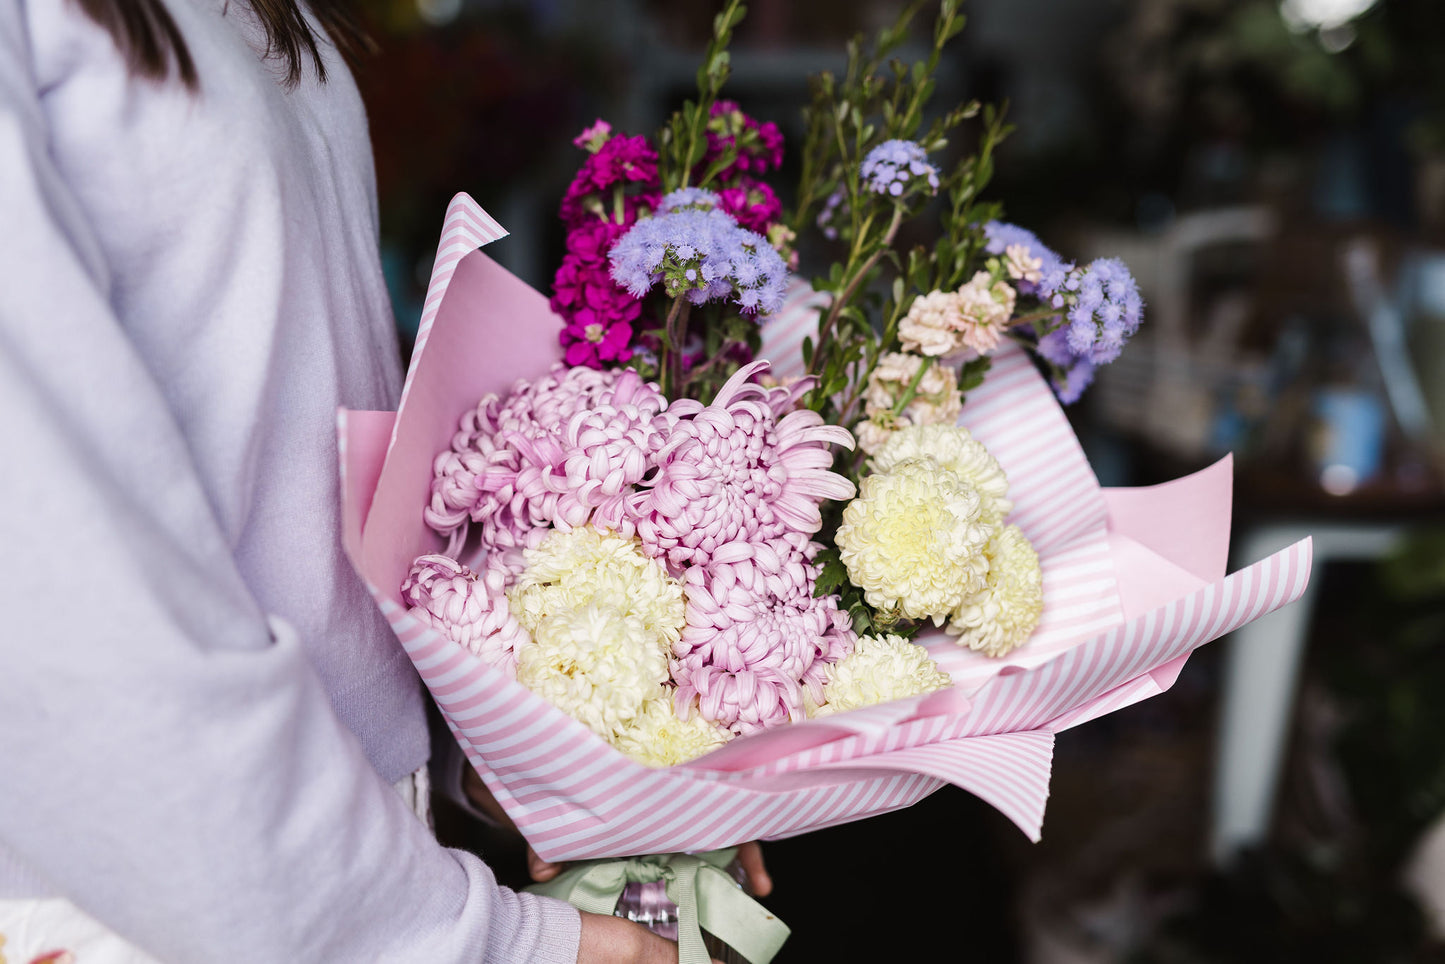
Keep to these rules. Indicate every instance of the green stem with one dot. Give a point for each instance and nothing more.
(846, 411)
(912, 390)
(673, 335)
(839, 303)
(1042, 314)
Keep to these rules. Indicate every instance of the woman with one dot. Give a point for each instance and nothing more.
(202, 714)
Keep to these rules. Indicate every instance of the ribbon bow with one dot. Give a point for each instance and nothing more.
(705, 895)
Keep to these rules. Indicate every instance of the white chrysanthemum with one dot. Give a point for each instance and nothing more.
(955, 449)
(658, 737)
(571, 569)
(1002, 615)
(880, 669)
(985, 307)
(596, 664)
(913, 540)
(932, 324)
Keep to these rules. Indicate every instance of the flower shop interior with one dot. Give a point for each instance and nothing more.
(1273, 174)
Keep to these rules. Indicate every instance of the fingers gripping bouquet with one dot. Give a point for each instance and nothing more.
(694, 554)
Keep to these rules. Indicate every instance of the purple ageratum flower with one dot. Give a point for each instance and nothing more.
(1107, 308)
(1074, 373)
(704, 255)
(1053, 270)
(688, 199)
(829, 215)
(738, 469)
(1070, 382)
(891, 166)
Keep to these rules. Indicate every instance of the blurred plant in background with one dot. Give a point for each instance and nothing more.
(466, 96)
(1199, 102)
(1367, 783)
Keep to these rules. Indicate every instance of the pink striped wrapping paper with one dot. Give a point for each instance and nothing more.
(1133, 582)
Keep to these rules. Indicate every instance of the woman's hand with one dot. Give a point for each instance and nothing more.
(612, 940)
(750, 855)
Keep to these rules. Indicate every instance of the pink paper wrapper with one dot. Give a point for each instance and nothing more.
(1134, 581)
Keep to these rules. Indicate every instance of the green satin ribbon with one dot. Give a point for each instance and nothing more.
(705, 894)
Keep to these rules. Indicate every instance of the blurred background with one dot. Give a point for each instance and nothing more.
(1273, 172)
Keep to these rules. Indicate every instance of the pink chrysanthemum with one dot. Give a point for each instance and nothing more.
(737, 471)
(558, 448)
(756, 638)
(468, 607)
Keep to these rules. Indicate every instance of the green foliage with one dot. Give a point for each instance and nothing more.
(867, 621)
(876, 100)
(870, 287)
(682, 141)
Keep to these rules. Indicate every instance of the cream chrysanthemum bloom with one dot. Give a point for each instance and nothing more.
(880, 669)
(1001, 616)
(913, 540)
(932, 324)
(658, 737)
(571, 569)
(985, 307)
(956, 450)
(596, 664)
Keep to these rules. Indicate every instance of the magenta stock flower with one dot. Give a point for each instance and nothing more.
(752, 203)
(759, 146)
(593, 138)
(621, 161)
(599, 314)
(468, 607)
(734, 470)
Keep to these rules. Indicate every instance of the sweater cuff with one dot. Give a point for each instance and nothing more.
(560, 933)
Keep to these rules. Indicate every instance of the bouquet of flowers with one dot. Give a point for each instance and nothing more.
(694, 553)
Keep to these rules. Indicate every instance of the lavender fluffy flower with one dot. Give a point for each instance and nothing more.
(703, 254)
(1107, 309)
(890, 167)
(1073, 374)
(1053, 271)
(831, 213)
(685, 198)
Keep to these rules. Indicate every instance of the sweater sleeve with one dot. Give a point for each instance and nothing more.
(170, 760)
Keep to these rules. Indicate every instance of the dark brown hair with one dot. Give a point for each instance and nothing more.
(153, 45)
